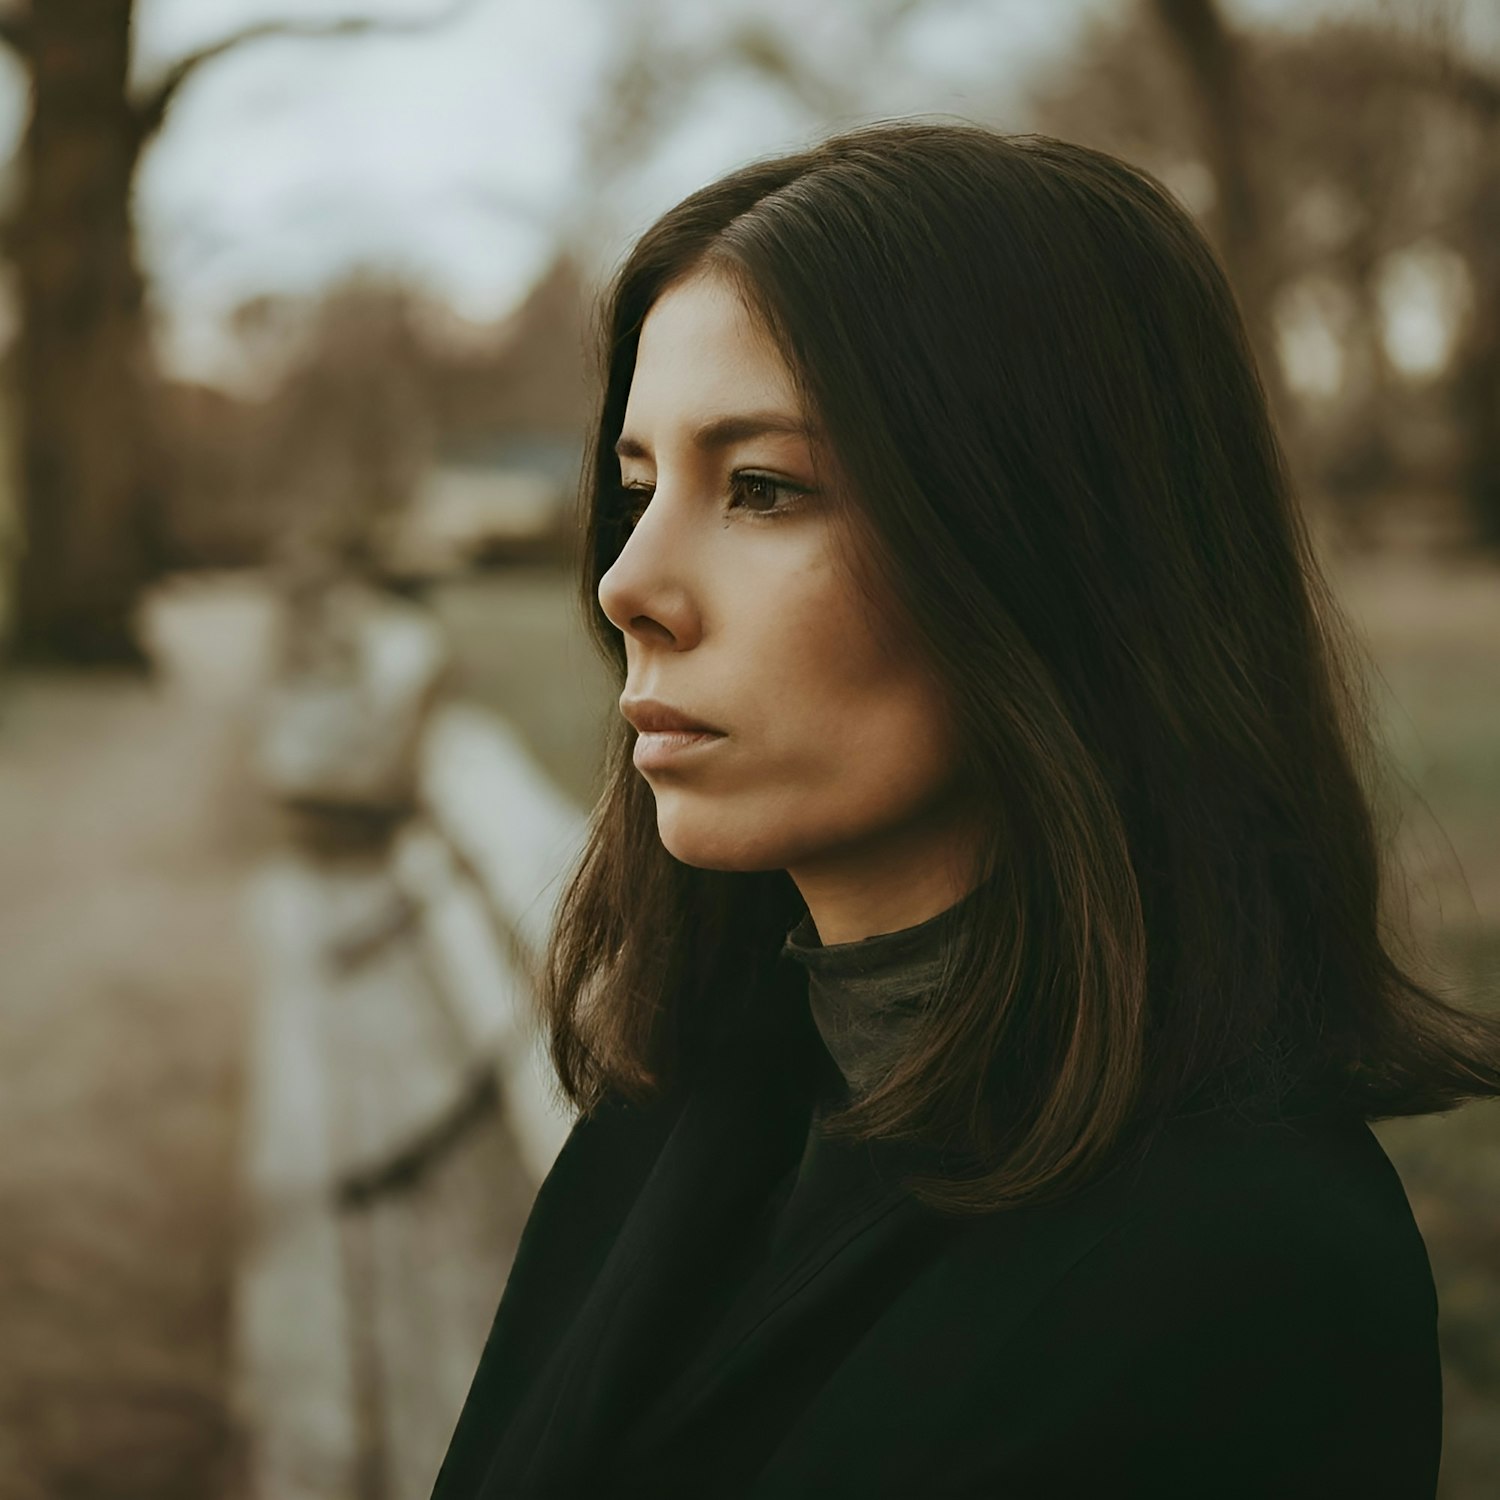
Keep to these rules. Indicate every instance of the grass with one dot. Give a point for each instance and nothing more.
(1434, 635)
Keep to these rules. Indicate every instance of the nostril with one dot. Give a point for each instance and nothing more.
(645, 626)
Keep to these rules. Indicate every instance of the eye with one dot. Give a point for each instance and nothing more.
(763, 494)
(631, 501)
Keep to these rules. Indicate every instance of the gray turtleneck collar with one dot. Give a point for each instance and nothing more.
(866, 997)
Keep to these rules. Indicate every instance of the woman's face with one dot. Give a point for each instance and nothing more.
(833, 759)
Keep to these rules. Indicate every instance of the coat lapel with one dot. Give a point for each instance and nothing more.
(849, 1238)
(653, 1350)
(739, 1132)
(864, 1275)
(577, 1214)
(916, 1383)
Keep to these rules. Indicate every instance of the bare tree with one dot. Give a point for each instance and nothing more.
(1476, 382)
(1328, 152)
(92, 471)
(657, 75)
(1213, 62)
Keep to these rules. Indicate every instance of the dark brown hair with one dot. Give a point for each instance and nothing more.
(1035, 381)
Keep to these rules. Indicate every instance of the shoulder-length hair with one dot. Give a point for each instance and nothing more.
(1035, 382)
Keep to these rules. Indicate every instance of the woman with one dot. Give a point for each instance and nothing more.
(973, 988)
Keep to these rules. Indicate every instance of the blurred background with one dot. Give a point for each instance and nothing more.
(297, 725)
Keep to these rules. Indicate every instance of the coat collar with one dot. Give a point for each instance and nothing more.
(739, 1132)
(693, 1259)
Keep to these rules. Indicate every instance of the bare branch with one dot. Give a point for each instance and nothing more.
(15, 31)
(151, 110)
(827, 92)
(1479, 90)
(1212, 61)
(760, 47)
(1437, 69)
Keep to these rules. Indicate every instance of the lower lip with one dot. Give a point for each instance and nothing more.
(656, 749)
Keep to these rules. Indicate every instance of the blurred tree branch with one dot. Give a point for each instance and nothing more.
(1210, 56)
(152, 107)
(1444, 72)
(1213, 63)
(94, 473)
(655, 77)
(766, 50)
(1329, 162)
(828, 94)
(1215, 69)
(15, 32)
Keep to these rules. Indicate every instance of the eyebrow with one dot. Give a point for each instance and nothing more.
(723, 432)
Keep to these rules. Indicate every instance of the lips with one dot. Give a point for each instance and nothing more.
(652, 717)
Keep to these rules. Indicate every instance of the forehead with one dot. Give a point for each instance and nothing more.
(703, 352)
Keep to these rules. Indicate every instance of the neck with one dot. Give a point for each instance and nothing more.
(865, 892)
(867, 997)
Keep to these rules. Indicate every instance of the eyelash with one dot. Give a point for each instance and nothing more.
(629, 501)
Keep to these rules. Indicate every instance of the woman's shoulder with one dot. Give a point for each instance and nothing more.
(1284, 1251)
(1269, 1232)
(1243, 1309)
(1249, 1309)
(1222, 1219)
(1316, 1193)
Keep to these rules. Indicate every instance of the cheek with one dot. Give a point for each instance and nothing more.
(840, 737)
(869, 724)
(843, 775)
(884, 755)
(848, 744)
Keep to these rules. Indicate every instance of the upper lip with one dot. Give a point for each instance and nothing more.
(651, 717)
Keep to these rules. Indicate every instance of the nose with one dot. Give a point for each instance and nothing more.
(649, 592)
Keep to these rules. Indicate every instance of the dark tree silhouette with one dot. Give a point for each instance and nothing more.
(1328, 151)
(1212, 58)
(92, 471)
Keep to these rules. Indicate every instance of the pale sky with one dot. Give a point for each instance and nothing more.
(452, 158)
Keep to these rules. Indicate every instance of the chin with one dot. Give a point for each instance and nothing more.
(703, 837)
(721, 854)
(712, 844)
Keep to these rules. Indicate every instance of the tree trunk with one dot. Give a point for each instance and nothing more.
(1476, 380)
(89, 462)
(1212, 59)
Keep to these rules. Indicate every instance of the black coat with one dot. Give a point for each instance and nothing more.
(713, 1300)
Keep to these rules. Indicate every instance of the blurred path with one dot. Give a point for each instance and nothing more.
(128, 823)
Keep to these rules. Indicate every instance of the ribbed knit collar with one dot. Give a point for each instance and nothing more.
(866, 997)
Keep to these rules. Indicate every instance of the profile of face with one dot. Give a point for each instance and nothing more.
(833, 758)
